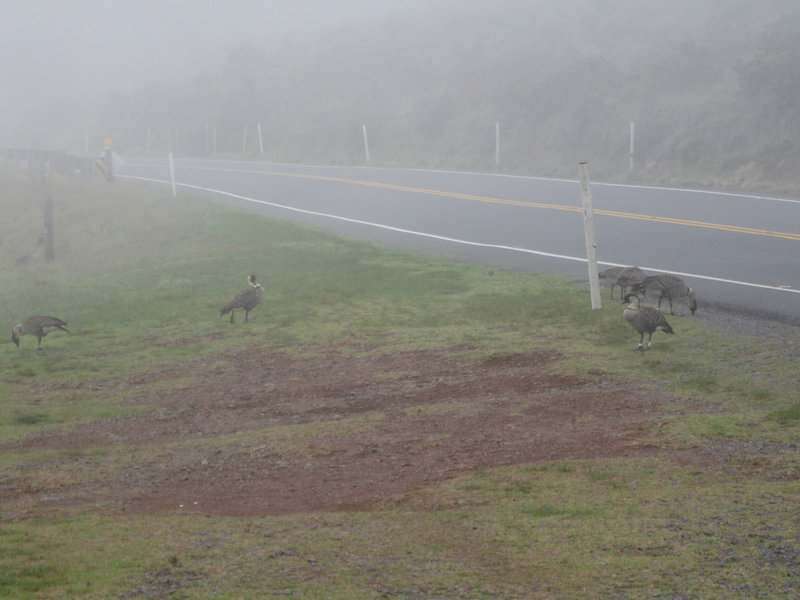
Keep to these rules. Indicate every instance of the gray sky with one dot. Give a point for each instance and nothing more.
(69, 52)
(132, 39)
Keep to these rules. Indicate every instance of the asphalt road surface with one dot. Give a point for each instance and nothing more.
(739, 252)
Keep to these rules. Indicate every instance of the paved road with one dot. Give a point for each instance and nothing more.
(739, 252)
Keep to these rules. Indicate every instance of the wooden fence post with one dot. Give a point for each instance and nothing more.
(497, 146)
(366, 142)
(49, 252)
(588, 228)
(633, 130)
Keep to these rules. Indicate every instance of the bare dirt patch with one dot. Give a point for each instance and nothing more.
(368, 430)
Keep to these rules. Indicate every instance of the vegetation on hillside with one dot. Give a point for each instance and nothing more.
(711, 86)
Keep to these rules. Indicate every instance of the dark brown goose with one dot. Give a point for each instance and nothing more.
(669, 287)
(644, 319)
(38, 325)
(245, 300)
(624, 277)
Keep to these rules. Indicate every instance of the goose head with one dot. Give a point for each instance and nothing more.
(632, 300)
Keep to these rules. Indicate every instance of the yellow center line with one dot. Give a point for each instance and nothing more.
(489, 199)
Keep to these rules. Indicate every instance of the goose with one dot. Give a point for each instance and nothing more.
(245, 300)
(669, 287)
(623, 277)
(644, 319)
(38, 325)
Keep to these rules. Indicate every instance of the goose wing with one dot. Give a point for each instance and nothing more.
(44, 324)
(654, 320)
(250, 298)
(630, 275)
(611, 273)
(246, 298)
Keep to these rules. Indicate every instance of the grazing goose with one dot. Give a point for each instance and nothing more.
(38, 325)
(644, 319)
(623, 277)
(245, 300)
(669, 287)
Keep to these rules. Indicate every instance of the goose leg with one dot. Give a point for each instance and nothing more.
(232, 313)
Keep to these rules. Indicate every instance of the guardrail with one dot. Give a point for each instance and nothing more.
(42, 165)
(40, 162)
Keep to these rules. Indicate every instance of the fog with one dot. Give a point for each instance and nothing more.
(60, 58)
(711, 84)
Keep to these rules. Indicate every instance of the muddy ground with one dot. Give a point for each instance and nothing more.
(386, 426)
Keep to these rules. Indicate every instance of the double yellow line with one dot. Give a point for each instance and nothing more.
(564, 207)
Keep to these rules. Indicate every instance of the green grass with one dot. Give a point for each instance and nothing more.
(787, 416)
(140, 278)
(638, 528)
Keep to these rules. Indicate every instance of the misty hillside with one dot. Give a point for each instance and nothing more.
(711, 87)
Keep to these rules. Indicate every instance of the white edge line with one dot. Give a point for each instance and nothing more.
(457, 240)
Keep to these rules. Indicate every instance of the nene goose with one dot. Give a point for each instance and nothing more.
(644, 319)
(669, 287)
(38, 325)
(245, 300)
(623, 277)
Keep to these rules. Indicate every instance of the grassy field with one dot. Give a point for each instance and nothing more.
(140, 278)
